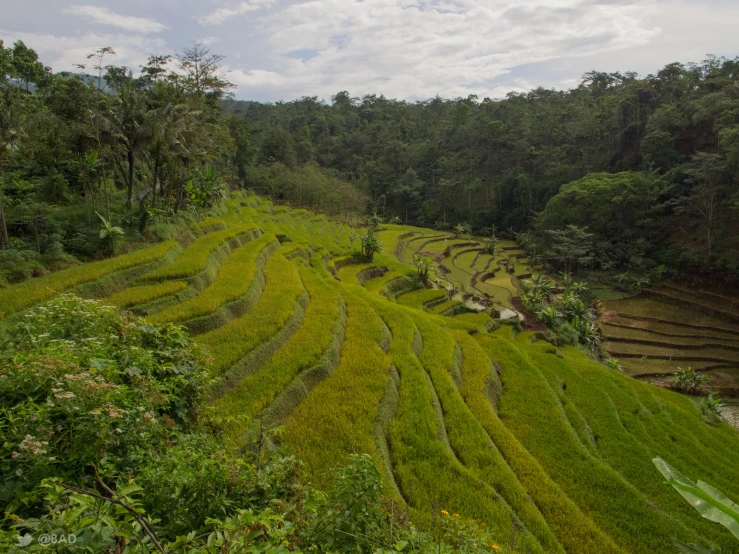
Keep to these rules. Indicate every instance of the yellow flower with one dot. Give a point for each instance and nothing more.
(455, 515)
(496, 547)
(444, 512)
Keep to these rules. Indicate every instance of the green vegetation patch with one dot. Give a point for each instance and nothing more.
(27, 293)
(194, 258)
(233, 341)
(234, 279)
(145, 293)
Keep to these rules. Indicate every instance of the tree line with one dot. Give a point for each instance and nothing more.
(648, 166)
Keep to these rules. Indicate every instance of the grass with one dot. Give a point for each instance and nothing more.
(471, 443)
(145, 293)
(537, 413)
(628, 437)
(233, 281)
(258, 389)
(421, 297)
(655, 310)
(574, 529)
(338, 417)
(26, 294)
(194, 258)
(209, 223)
(426, 471)
(233, 341)
(627, 334)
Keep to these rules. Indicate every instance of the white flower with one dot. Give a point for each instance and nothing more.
(118, 430)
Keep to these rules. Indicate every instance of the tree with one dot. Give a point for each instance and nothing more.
(571, 246)
(708, 176)
(202, 72)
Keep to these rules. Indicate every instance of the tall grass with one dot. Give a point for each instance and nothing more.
(194, 257)
(145, 293)
(426, 471)
(532, 410)
(233, 281)
(338, 417)
(303, 350)
(28, 293)
(469, 440)
(234, 340)
(574, 529)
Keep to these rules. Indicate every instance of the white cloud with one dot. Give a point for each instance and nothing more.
(104, 16)
(420, 48)
(219, 16)
(62, 53)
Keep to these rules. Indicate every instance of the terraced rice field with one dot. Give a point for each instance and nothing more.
(672, 326)
(550, 449)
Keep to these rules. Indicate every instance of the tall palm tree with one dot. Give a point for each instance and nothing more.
(126, 117)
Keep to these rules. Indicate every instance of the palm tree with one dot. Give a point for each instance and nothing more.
(127, 117)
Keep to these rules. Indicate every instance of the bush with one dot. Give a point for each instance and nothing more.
(19, 265)
(82, 384)
(690, 381)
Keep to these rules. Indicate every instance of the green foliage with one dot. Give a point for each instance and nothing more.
(110, 235)
(369, 243)
(690, 381)
(710, 502)
(424, 265)
(81, 384)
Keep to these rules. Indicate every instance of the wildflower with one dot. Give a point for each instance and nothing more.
(118, 430)
(444, 512)
(455, 515)
(496, 547)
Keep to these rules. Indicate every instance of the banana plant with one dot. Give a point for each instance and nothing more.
(710, 503)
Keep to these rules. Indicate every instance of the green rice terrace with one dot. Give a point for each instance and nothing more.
(671, 326)
(548, 448)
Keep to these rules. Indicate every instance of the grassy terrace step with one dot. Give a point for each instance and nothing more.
(628, 443)
(421, 297)
(26, 294)
(534, 412)
(234, 280)
(682, 355)
(481, 389)
(283, 288)
(637, 367)
(145, 293)
(726, 301)
(653, 310)
(209, 224)
(471, 444)
(194, 258)
(338, 416)
(256, 390)
(721, 310)
(668, 329)
(446, 306)
(425, 470)
(640, 336)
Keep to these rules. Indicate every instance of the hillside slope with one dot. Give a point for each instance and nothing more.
(549, 448)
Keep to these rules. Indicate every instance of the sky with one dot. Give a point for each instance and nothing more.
(405, 49)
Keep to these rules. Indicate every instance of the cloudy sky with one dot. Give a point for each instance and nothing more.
(410, 49)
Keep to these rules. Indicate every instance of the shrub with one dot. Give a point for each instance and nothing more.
(82, 384)
(423, 267)
(369, 243)
(690, 381)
